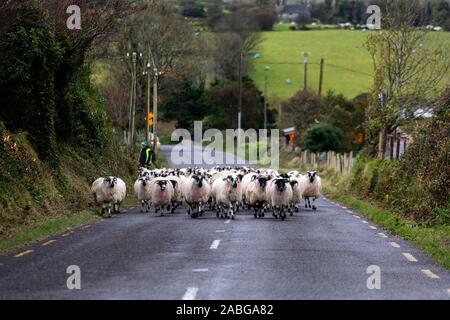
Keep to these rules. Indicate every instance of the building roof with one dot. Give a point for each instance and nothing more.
(295, 9)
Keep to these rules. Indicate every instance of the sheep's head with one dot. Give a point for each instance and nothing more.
(198, 180)
(280, 184)
(293, 182)
(162, 184)
(263, 181)
(233, 181)
(111, 181)
(312, 176)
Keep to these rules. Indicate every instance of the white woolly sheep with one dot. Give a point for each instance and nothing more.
(226, 194)
(256, 196)
(279, 194)
(109, 192)
(196, 194)
(161, 194)
(311, 185)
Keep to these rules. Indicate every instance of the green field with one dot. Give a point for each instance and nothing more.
(348, 65)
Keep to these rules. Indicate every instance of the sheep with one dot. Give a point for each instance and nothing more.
(109, 192)
(255, 194)
(196, 194)
(142, 190)
(311, 185)
(226, 194)
(279, 194)
(161, 194)
(297, 193)
(177, 198)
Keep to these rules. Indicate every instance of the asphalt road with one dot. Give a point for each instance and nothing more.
(313, 255)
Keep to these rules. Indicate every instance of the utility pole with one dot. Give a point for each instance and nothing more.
(241, 58)
(133, 106)
(265, 102)
(155, 107)
(266, 80)
(147, 127)
(305, 61)
(322, 62)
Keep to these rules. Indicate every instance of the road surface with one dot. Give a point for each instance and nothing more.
(313, 255)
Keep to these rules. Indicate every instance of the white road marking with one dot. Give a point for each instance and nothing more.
(220, 231)
(373, 228)
(357, 217)
(200, 270)
(345, 208)
(365, 222)
(409, 257)
(394, 244)
(228, 221)
(448, 291)
(215, 244)
(351, 212)
(430, 274)
(190, 293)
(382, 235)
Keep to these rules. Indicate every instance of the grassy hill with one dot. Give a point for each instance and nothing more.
(348, 65)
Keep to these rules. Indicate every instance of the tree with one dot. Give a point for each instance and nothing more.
(222, 101)
(409, 72)
(323, 137)
(304, 109)
(185, 105)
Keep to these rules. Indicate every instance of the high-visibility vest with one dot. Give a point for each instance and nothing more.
(148, 157)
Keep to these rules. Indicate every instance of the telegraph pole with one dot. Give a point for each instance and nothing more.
(147, 127)
(305, 61)
(241, 58)
(322, 62)
(265, 102)
(155, 107)
(133, 105)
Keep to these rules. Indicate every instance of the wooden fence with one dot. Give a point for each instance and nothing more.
(341, 163)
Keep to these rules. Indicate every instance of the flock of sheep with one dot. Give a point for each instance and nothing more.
(224, 190)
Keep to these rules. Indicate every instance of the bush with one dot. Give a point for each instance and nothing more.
(323, 138)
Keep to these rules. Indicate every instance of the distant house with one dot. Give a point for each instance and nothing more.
(290, 13)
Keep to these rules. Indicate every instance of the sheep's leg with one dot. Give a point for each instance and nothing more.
(231, 210)
(256, 207)
(314, 204)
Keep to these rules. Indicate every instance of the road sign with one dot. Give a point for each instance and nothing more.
(150, 118)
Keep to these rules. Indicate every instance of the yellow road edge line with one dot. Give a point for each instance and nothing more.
(48, 243)
(19, 255)
(67, 234)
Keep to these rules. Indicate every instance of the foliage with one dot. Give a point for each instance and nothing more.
(418, 184)
(185, 105)
(222, 99)
(323, 137)
(302, 110)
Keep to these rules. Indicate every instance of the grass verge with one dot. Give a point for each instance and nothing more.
(435, 241)
(44, 230)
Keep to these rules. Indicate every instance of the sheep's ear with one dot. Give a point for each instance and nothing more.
(174, 183)
(225, 179)
(254, 178)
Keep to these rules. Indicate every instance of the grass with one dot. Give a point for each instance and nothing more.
(44, 230)
(435, 241)
(348, 65)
